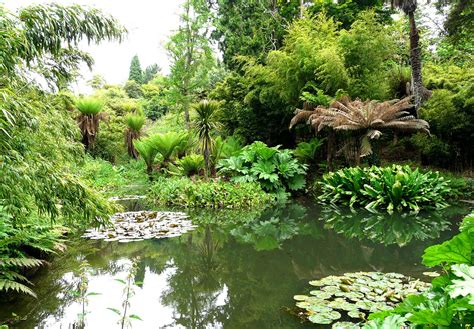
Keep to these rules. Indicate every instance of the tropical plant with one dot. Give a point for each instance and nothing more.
(89, 119)
(147, 151)
(164, 145)
(449, 302)
(392, 188)
(134, 123)
(189, 165)
(205, 124)
(276, 170)
(184, 192)
(168, 144)
(306, 151)
(365, 119)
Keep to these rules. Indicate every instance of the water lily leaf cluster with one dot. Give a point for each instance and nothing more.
(392, 188)
(450, 301)
(353, 296)
(142, 225)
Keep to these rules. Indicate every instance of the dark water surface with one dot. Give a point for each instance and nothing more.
(229, 275)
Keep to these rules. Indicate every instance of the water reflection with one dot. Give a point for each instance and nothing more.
(232, 275)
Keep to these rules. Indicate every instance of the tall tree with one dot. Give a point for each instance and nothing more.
(419, 91)
(190, 54)
(150, 72)
(135, 72)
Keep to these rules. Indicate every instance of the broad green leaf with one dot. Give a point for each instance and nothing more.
(464, 287)
(458, 250)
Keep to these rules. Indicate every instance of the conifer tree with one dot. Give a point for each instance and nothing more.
(136, 73)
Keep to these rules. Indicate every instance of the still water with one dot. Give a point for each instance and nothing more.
(236, 270)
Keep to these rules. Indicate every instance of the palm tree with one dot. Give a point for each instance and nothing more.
(420, 92)
(89, 119)
(204, 123)
(134, 124)
(367, 119)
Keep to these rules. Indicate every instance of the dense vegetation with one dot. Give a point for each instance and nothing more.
(332, 98)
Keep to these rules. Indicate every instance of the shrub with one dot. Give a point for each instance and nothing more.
(183, 192)
(306, 151)
(393, 188)
(189, 165)
(276, 170)
(449, 302)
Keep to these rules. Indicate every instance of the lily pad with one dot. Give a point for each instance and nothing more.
(322, 294)
(345, 325)
(319, 319)
(300, 297)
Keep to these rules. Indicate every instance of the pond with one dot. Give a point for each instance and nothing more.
(228, 275)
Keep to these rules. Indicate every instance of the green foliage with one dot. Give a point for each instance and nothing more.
(150, 72)
(135, 72)
(166, 145)
(37, 238)
(276, 170)
(368, 48)
(190, 54)
(205, 125)
(451, 116)
(45, 38)
(241, 27)
(306, 151)
(133, 89)
(183, 192)
(135, 121)
(189, 165)
(449, 303)
(89, 106)
(392, 188)
(113, 180)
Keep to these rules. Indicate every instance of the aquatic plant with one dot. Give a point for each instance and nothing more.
(125, 320)
(81, 295)
(355, 295)
(183, 192)
(450, 301)
(277, 171)
(393, 188)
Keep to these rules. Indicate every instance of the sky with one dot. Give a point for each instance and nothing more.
(149, 22)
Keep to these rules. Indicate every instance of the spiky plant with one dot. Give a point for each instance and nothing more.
(205, 124)
(147, 151)
(134, 124)
(89, 119)
(168, 144)
(189, 165)
(365, 119)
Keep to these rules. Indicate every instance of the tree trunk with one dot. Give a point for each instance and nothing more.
(301, 8)
(415, 59)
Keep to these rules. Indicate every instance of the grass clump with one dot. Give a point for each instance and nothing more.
(184, 192)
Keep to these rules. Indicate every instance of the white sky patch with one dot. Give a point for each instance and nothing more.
(149, 22)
